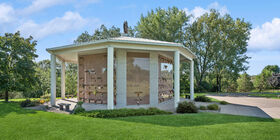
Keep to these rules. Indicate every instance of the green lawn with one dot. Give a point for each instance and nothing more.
(17, 123)
(200, 94)
(19, 99)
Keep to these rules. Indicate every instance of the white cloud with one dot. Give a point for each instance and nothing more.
(69, 22)
(38, 5)
(6, 13)
(222, 9)
(266, 36)
(199, 11)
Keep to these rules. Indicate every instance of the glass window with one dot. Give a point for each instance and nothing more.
(138, 78)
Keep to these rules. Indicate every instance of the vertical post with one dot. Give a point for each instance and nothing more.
(78, 78)
(110, 78)
(192, 80)
(176, 78)
(154, 79)
(53, 79)
(121, 77)
(63, 80)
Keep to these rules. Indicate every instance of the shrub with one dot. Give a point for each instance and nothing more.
(46, 97)
(202, 107)
(223, 102)
(213, 107)
(202, 98)
(29, 103)
(79, 109)
(42, 101)
(122, 113)
(80, 103)
(186, 107)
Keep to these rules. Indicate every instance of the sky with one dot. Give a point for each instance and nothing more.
(58, 22)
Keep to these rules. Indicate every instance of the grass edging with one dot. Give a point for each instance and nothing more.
(123, 113)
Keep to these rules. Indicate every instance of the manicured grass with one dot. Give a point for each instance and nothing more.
(23, 99)
(266, 91)
(200, 94)
(19, 100)
(266, 95)
(17, 123)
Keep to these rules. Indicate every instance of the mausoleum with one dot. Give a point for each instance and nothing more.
(124, 71)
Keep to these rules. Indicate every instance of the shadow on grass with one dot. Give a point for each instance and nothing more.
(13, 107)
(183, 120)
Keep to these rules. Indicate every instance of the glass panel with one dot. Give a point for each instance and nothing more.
(165, 87)
(138, 78)
(93, 78)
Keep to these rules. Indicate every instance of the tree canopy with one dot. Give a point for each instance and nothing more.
(220, 44)
(17, 66)
(161, 24)
(102, 33)
(244, 83)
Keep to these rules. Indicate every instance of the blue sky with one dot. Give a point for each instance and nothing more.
(58, 22)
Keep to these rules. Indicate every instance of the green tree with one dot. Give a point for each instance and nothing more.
(102, 33)
(43, 74)
(260, 82)
(161, 24)
(17, 66)
(220, 44)
(244, 83)
(272, 68)
(71, 79)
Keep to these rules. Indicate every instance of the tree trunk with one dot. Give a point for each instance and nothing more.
(6, 96)
(217, 84)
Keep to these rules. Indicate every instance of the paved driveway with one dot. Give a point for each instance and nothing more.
(269, 106)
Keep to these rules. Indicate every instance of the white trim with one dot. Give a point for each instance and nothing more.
(111, 40)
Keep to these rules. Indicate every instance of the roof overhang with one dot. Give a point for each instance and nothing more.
(69, 53)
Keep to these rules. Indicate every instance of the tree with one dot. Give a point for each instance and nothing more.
(43, 85)
(161, 24)
(17, 66)
(102, 33)
(220, 44)
(274, 80)
(260, 82)
(71, 79)
(272, 68)
(244, 83)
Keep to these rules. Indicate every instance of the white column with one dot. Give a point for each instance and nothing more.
(192, 80)
(110, 78)
(176, 78)
(121, 77)
(153, 79)
(53, 79)
(63, 80)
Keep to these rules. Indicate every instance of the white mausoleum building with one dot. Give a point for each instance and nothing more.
(124, 71)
